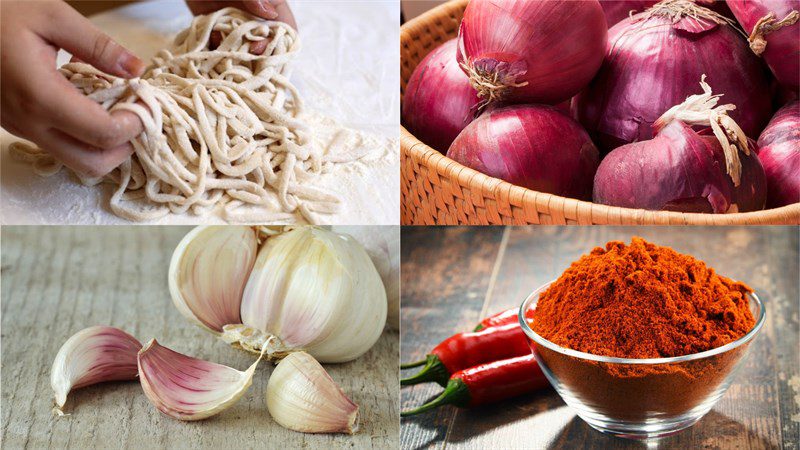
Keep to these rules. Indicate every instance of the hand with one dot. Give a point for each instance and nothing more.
(266, 9)
(39, 104)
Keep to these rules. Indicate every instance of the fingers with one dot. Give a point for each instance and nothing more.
(266, 9)
(258, 47)
(284, 12)
(206, 6)
(79, 36)
(87, 161)
(261, 8)
(93, 124)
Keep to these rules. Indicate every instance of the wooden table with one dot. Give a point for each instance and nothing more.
(58, 280)
(452, 277)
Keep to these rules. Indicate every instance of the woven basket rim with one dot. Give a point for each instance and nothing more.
(419, 151)
(470, 177)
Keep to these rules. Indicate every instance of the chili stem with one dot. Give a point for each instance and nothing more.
(411, 365)
(456, 393)
(434, 370)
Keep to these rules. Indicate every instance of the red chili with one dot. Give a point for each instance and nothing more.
(501, 318)
(465, 350)
(487, 383)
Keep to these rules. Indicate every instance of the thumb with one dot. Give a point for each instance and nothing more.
(79, 36)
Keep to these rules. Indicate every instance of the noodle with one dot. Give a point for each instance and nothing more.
(221, 127)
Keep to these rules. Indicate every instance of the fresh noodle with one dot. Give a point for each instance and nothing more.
(222, 126)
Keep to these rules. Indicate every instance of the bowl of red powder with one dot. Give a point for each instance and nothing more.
(640, 340)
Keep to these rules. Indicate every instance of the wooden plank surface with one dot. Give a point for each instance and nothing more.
(441, 290)
(760, 410)
(58, 280)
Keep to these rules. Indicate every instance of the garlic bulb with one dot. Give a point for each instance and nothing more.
(308, 289)
(90, 356)
(302, 396)
(383, 247)
(187, 388)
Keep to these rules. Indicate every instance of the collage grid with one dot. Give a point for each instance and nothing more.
(575, 225)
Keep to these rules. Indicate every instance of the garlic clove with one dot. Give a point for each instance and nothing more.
(301, 396)
(90, 356)
(383, 247)
(208, 272)
(187, 388)
(316, 291)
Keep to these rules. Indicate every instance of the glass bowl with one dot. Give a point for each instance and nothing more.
(639, 398)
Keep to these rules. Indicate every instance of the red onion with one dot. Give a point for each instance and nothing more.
(616, 10)
(653, 63)
(439, 101)
(781, 95)
(779, 152)
(534, 146)
(751, 193)
(682, 170)
(531, 50)
(774, 34)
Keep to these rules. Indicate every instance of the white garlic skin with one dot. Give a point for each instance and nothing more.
(301, 396)
(382, 244)
(208, 272)
(93, 355)
(317, 291)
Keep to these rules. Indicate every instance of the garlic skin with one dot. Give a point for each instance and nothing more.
(301, 396)
(208, 272)
(382, 244)
(93, 355)
(316, 291)
(307, 289)
(187, 388)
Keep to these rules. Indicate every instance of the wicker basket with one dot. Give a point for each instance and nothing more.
(438, 190)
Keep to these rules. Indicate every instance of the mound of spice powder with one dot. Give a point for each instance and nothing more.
(642, 301)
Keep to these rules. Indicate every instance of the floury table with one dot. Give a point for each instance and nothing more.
(454, 276)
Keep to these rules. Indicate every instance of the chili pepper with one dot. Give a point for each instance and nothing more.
(487, 383)
(501, 318)
(464, 350)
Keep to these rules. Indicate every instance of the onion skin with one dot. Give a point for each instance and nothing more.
(782, 52)
(533, 146)
(678, 170)
(779, 151)
(439, 101)
(616, 10)
(652, 65)
(751, 194)
(553, 46)
(783, 96)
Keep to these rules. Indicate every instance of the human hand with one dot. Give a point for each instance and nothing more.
(39, 104)
(266, 9)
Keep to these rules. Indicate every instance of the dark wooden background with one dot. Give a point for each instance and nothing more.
(454, 276)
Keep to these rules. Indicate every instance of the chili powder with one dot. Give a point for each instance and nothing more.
(642, 301)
